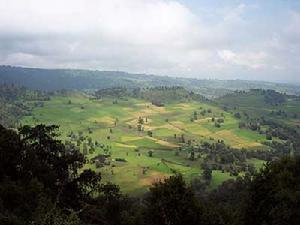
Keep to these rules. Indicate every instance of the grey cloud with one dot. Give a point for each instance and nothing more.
(162, 37)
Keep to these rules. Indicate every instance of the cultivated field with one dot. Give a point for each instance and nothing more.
(143, 140)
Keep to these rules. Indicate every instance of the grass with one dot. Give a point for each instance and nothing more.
(258, 164)
(140, 170)
(218, 178)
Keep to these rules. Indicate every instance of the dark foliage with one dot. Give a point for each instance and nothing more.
(13, 103)
(172, 202)
(35, 165)
(42, 182)
(273, 196)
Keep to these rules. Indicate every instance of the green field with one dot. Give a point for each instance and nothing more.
(114, 125)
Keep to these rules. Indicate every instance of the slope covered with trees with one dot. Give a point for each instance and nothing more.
(14, 103)
(57, 79)
(42, 182)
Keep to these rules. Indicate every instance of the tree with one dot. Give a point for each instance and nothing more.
(207, 174)
(109, 208)
(217, 125)
(237, 115)
(140, 120)
(35, 165)
(182, 138)
(195, 117)
(10, 159)
(198, 185)
(150, 153)
(220, 120)
(273, 196)
(228, 197)
(90, 141)
(139, 127)
(192, 156)
(268, 136)
(242, 125)
(172, 202)
(149, 133)
(84, 149)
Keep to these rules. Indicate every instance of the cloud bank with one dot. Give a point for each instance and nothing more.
(158, 36)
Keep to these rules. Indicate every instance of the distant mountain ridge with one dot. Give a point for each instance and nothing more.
(56, 79)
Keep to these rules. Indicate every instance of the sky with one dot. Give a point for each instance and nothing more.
(212, 39)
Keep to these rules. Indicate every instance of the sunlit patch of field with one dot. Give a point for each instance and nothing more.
(203, 120)
(161, 110)
(183, 106)
(248, 145)
(163, 143)
(178, 124)
(125, 146)
(229, 136)
(148, 126)
(143, 113)
(128, 138)
(132, 121)
(105, 119)
(144, 104)
(170, 126)
(202, 132)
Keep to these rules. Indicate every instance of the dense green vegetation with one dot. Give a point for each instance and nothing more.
(135, 137)
(268, 113)
(42, 181)
(58, 79)
(155, 155)
(13, 103)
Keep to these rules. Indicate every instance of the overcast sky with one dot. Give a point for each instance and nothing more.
(223, 39)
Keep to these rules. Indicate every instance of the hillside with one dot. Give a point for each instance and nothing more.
(137, 136)
(258, 103)
(122, 145)
(57, 79)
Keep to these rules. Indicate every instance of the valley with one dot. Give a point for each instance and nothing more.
(134, 143)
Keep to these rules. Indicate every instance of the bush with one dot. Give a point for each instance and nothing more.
(220, 120)
(120, 160)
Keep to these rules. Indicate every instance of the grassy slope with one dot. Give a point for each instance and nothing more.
(99, 115)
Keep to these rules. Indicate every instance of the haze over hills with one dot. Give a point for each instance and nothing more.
(56, 79)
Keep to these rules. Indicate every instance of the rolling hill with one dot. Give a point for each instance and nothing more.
(57, 79)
